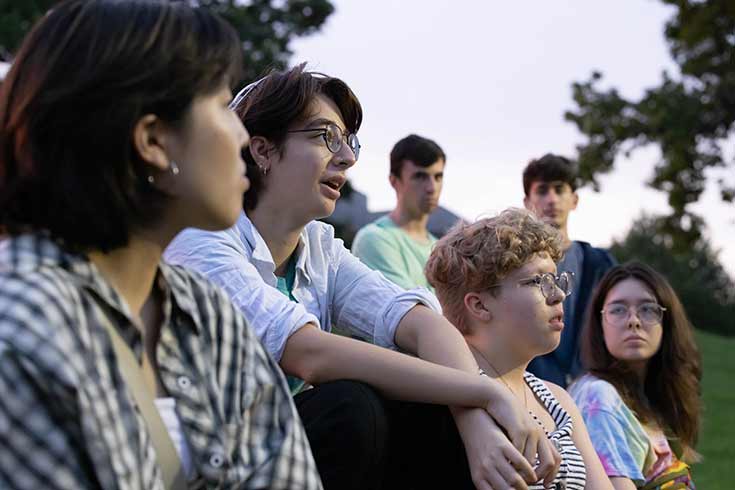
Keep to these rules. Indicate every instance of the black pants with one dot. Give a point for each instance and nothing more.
(362, 441)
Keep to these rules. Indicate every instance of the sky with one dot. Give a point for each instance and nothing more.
(490, 82)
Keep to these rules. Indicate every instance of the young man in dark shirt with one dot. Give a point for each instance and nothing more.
(550, 185)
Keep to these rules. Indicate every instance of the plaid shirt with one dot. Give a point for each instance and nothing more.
(67, 419)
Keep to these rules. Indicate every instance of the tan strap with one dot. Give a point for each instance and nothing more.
(168, 458)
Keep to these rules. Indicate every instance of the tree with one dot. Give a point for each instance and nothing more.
(16, 19)
(702, 283)
(265, 27)
(689, 117)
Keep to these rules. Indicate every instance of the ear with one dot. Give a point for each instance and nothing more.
(394, 181)
(527, 204)
(149, 139)
(575, 200)
(476, 306)
(262, 150)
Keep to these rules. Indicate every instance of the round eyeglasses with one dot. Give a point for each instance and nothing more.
(333, 137)
(548, 283)
(648, 313)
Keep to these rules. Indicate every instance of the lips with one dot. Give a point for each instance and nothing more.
(557, 321)
(331, 186)
(335, 182)
(634, 338)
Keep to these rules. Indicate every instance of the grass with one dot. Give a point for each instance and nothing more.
(717, 441)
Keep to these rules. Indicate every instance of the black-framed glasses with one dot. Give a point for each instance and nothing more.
(333, 137)
(649, 314)
(548, 283)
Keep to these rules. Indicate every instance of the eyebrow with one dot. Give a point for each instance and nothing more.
(536, 272)
(323, 121)
(638, 301)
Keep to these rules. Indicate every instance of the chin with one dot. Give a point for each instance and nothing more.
(551, 345)
(324, 210)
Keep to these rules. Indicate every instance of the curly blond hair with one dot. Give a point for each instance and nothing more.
(473, 256)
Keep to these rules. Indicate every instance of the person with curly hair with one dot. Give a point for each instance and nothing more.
(640, 398)
(497, 282)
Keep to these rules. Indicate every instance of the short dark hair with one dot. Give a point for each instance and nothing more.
(83, 77)
(670, 392)
(423, 152)
(281, 98)
(550, 168)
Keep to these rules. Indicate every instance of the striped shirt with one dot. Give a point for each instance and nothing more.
(572, 474)
(67, 419)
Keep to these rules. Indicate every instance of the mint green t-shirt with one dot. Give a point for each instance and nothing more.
(285, 286)
(384, 247)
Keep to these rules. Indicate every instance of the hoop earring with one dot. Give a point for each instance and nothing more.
(151, 180)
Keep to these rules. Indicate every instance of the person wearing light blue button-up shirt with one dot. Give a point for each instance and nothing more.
(303, 139)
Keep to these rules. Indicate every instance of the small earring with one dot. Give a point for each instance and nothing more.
(264, 170)
(151, 180)
(174, 168)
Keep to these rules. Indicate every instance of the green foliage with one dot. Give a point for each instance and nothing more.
(718, 397)
(703, 285)
(16, 19)
(265, 26)
(687, 118)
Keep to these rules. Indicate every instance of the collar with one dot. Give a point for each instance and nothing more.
(31, 252)
(260, 253)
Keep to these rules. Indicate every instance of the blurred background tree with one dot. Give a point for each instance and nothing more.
(265, 27)
(700, 280)
(689, 117)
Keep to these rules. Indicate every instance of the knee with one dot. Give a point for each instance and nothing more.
(358, 414)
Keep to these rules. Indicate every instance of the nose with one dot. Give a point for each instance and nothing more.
(633, 320)
(430, 185)
(242, 134)
(345, 157)
(557, 297)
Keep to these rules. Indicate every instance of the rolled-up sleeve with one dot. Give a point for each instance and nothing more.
(367, 303)
(270, 314)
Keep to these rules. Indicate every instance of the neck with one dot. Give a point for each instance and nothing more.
(413, 224)
(131, 269)
(640, 369)
(280, 232)
(499, 362)
(566, 242)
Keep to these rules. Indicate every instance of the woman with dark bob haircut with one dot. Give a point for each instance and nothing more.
(294, 281)
(118, 371)
(640, 400)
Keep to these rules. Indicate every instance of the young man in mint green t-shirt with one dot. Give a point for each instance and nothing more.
(399, 244)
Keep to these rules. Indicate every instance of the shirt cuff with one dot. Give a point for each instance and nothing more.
(391, 316)
(276, 344)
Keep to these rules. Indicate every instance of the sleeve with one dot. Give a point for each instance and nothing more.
(376, 250)
(617, 442)
(273, 317)
(274, 450)
(367, 303)
(37, 451)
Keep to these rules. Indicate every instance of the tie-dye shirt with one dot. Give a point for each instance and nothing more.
(625, 447)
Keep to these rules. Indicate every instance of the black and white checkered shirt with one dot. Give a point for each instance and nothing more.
(67, 419)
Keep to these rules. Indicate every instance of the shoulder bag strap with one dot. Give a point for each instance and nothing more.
(168, 459)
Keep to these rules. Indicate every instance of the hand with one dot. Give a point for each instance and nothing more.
(526, 435)
(494, 462)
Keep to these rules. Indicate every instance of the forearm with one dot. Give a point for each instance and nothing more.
(431, 337)
(319, 357)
